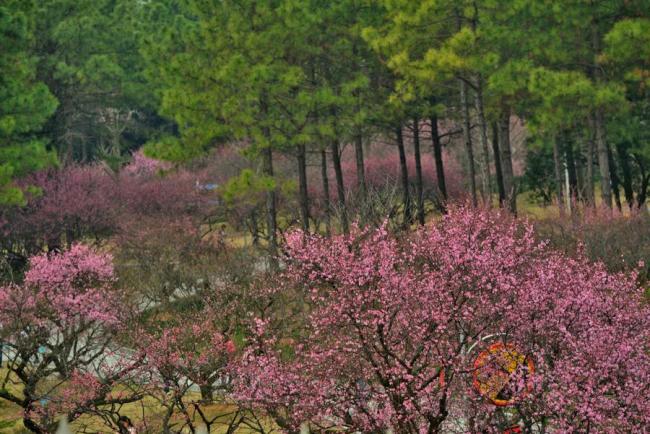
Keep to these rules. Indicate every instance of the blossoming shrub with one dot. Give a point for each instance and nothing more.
(395, 326)
(179, 356)
(56, 330)
(91, 203)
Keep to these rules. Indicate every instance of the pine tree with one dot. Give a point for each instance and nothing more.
(25, 102)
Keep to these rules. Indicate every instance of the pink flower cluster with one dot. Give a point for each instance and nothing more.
(193, 349)
(141, 165)
(60, 290)
(392, 320)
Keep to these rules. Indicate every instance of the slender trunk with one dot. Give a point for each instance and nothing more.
(406, 197)
(627, 174)
(255, 228)
(358, 138)
(361, 170)
(590, 195)
(580, 173)
(437, 157)
(483, 137)
(558, 174)
(643, 186)
(643, 191)
(271, 212)
(509, 186)
(615, 180)
(302, 186)
(340, 188)
(571, 168)
(419, 188)
(599, 123)
(603, 160)
(326, 192)
(497, 164)
(467, 138)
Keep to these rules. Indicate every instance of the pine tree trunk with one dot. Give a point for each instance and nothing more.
(302, 186)
(406, 197)
(361, 170)
(615, 180)
(437, 157)
(557, 165)
(255, 228)
(483, 138)
(326, 193)
(643, 191)
(590, 195)
(497, 164)
(580, 173)
(271, 212)
(599, 122)
(340, 187)
(509, 186)
(571, 169)
(603, 160)
(419, 188)
(627, 174)
(467, 138)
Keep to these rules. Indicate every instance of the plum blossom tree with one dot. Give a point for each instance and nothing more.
(395, 326)
(57, 328)
(179, 357)
(91, 202)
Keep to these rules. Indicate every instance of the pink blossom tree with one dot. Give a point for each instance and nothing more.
(57, 330)
(395, 326)
(184, 370)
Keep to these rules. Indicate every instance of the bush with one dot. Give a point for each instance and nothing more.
(621, 242)
(391, 321)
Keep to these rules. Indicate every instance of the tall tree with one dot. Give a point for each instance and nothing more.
(89, 57)
(25, 102)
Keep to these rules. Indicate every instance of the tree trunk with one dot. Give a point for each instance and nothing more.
(326, 192)
(497, 164)
(603, 160)
(590, 196)
(627, 174)
(643, 191)
(509, 187)
(467, 138)
(436, 147)
(340, 188)
(580, 173)
(255, 228)
(571, 168)
(302, 186)
(361, 170)
(558, 175)
(483, 138)
(406, 197)
(643, 186)
(419, 188)
(599, 122)
(271, 212)
(615, 180)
